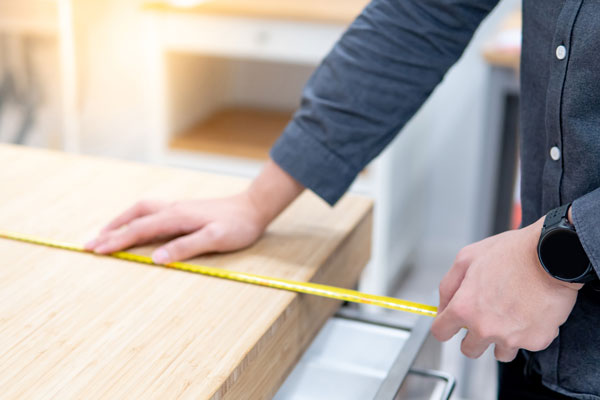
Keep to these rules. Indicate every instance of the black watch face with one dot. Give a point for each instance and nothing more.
(562, 254)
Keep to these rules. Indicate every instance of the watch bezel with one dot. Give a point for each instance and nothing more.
(563, 226)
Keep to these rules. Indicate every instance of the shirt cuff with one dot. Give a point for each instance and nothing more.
(586, 218)
(312, 163)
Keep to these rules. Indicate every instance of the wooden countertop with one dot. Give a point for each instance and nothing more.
(337, 11)
(83, 326)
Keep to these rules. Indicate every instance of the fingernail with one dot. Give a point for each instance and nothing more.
(160, 256)
(90, 245)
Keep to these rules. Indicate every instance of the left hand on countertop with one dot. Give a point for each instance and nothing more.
(196, 227)
(498, 290)
(205, 225)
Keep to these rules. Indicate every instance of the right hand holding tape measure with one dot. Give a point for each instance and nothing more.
(498, 290)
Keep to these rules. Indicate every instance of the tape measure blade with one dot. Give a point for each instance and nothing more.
(316, 289)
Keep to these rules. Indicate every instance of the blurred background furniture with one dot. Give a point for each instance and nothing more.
(500, 209)
(38, 74)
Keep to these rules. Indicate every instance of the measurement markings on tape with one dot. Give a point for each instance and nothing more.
(276, 283)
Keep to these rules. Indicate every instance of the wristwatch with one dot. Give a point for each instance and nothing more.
(560, 250)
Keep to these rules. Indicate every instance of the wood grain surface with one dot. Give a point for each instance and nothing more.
(337, 11)
(236, 131)
(88, 327)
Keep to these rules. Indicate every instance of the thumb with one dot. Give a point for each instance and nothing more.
(205, 240)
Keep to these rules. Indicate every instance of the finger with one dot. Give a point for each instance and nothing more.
(107, 238)
(142, 230)
(473, 345)
(205, 240)
(505, 354)
(96, 242)
(141, 209)
(446, 325)
(454, 278)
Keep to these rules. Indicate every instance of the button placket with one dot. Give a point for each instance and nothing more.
(553, 170)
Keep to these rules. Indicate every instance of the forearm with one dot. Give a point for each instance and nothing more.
(272, 191)
(372, 82)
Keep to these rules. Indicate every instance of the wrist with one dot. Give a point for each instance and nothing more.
(259, 213)
(271, 192)
(570, 215)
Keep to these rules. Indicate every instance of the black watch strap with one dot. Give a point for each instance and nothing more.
(555, 216)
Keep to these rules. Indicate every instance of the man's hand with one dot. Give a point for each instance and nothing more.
(498, 290)
(201, 226)
(207, 225)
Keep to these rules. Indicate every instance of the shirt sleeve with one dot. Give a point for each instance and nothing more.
(373, 81)
(585, 211)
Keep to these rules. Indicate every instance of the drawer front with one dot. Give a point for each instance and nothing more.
(285, 41)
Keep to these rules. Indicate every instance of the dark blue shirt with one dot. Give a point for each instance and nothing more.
(387, 64)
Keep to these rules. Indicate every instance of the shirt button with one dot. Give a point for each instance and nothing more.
(555, 153)
(561, 52)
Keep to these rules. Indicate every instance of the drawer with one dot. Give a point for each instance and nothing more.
(359, 356)
(348, 360)
(283, 41)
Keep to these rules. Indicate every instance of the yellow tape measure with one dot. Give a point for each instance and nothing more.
(277, 283)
